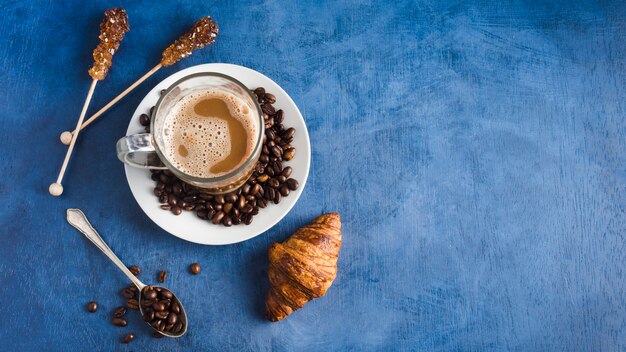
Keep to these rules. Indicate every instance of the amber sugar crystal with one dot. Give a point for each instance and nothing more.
(112, 30)
(202, 33)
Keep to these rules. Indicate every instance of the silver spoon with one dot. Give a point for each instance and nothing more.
(78, 219)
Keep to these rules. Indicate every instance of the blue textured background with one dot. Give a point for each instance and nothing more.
(476, 152)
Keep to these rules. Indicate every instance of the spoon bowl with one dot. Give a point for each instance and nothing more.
(161, 295)
(148, 313)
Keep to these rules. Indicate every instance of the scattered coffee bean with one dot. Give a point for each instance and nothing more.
(119, 312)
(132, 304)
(135, 270)
(120, 322)
(92, 307)
(127, 293)
(128, 338)
(161, 278)
(194, 268)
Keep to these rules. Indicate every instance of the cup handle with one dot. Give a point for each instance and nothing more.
(137, 150)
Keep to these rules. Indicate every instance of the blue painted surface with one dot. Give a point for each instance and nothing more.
(476, 152)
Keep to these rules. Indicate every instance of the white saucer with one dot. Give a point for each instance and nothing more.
(187, 225)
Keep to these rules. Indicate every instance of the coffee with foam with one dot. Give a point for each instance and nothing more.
(209, 133)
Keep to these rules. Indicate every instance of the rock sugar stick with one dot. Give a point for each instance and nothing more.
(112, 30)
(202, 33)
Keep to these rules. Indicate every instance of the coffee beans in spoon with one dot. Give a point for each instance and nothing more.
(162, 310)
(270, 182)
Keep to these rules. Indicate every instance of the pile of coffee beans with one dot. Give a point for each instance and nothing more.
(269, 183)
(161, 309)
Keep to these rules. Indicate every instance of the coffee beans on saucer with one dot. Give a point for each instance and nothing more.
(269, 183)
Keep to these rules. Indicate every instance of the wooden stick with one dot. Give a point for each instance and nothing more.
(66, 137)
(56, 189)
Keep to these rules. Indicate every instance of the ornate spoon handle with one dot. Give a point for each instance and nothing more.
(78, 219)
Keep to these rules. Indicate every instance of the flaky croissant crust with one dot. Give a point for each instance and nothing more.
(303, 267)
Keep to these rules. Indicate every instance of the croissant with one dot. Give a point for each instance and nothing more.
(303, 267)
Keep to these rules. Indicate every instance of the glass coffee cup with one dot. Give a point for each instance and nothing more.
(153, 150)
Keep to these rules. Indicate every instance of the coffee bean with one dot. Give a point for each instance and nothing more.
(128, 337)
(270, 193)
(148, 315)
(92, 307)
(218, 207)
(262, 178)
(269, 98)
(132, 304)
(273, 183)
(264, 159)
(261, 202)
(284, 190)
(277, 198)
(255, 190)
(144, 120)
(292, 184)
(177, 210)
(245, 189)
(227, 207)
(219, 199)
(270, 171)
(161, 315)
(289, 133)
(268, 109)
(281, 179)
(194, 268)
(227, 221)
(128, 293)
(158, 307)
(158, 192)
(289, 153)
(161, 278)
(135, 270)
(166, 294)
(247, 219)
(119, 312)
(172, 200)
(166, 207)
(119, 322)
(280, 115)
(172, 318)
(218, 217)
(259, 91)
(230, 198)
(241, 202)
(175, 308)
